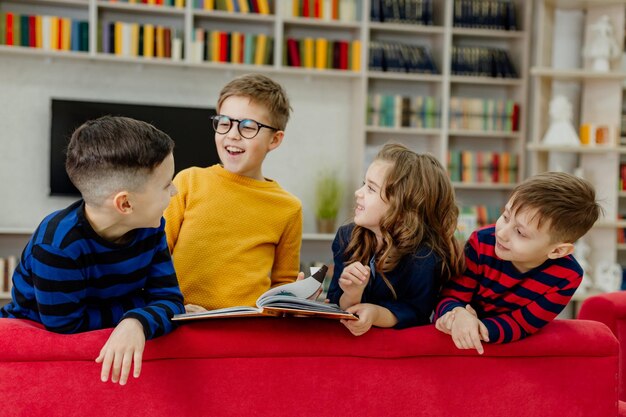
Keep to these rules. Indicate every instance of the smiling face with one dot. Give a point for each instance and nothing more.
(154, 196)
(245, 156)
(519, 240)
(370, 206)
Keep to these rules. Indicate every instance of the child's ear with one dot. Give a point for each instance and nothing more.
(277, 139)
(561, 250)
(121, 202)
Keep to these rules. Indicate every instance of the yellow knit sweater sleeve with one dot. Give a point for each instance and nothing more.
(231, 237)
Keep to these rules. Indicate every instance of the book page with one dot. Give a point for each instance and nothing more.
(301, 289)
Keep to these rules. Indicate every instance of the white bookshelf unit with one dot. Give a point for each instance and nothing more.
(355, 141)
(596, 99)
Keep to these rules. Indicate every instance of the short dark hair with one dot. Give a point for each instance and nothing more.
(567, 202)
(261, 90)
(111, 153)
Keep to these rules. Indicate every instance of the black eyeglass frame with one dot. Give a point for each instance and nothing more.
(217, 117)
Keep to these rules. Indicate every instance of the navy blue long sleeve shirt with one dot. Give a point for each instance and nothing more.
(414, 281)
(71, 280)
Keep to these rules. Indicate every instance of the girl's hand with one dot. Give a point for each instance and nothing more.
(367, 316)
(354, 278)
(444, 323)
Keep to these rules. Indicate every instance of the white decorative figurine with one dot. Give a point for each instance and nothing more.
(608, 276)
(581, 252)
(561, 132)
(602, 46)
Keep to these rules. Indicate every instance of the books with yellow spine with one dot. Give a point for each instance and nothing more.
(321, 46)
(309, 53)
(66, 31)
(215, 45)
(38, 31)
(264, 7)
(119, 37)
(54, 33)
(134, 39)
(235, 50)
(209, 4)
(179, 3)
(148, 40)
(259, 52)
(355, 65)
(160, 42)
(243, 6)
(230, 6)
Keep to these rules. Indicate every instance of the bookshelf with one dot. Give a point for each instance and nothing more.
(596, 98)
(358, 140)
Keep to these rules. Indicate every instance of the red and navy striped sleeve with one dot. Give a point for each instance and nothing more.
(512, 305)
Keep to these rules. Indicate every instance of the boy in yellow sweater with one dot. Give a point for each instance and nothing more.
(232, 232)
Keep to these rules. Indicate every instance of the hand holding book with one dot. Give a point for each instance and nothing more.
(291, 299)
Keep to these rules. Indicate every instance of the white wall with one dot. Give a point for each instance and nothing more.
(317, 135)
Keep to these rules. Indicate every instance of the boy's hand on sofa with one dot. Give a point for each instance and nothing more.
(444, 323)
(123, 349)
(467, 330)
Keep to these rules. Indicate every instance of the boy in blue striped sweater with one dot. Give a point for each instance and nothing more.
(103, 261)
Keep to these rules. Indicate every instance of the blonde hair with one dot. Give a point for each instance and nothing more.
(261, 90)
(422, 212)
(566, 202)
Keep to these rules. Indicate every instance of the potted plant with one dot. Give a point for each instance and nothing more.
(328, 201)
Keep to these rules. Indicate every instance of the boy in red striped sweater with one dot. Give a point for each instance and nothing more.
(520, 273)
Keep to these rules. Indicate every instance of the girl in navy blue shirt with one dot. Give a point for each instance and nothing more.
(391, 262)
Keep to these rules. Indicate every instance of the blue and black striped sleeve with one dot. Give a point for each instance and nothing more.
(161, 293)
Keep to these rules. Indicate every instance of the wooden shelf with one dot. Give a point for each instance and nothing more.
(576, 74)
(379, 27)
(409, 131)
(404, 76)
(464, 79)
(572, 149)
(482, 186)
(488, 33)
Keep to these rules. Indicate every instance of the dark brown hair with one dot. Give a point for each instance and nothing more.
(110, 153)
(565, 202)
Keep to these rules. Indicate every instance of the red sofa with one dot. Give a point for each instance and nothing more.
(309, 367)
(610, 309)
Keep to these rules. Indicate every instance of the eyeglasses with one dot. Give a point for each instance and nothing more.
(247, 128)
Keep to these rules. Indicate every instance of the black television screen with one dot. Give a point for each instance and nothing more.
(189, 127)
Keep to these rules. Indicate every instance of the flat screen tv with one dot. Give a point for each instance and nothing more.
(189, 127)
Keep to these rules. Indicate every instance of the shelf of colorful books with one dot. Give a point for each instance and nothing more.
(483, 185)
(468, 79)
(82, 3)
(223, 16)
(404, 76)
(44, 53)
(314, 72)
(318, 236)
(405, 28)
(571, 149)
(321, 24)
(576, 74)
(141, 9)
(488, 33)
(484, 134)
(408, 131)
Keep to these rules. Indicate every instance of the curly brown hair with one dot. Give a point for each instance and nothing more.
(422, 212)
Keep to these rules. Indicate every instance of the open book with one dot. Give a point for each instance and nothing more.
(291, 299)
